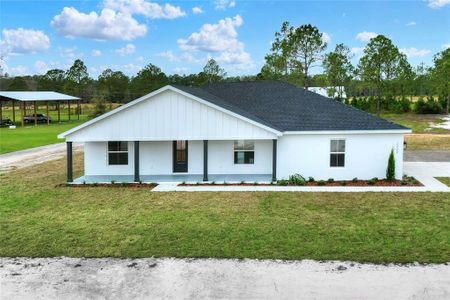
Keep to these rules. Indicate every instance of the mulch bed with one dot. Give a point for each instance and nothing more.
(120, 185)
(315, 183)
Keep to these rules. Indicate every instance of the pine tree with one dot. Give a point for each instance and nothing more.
(390, 171)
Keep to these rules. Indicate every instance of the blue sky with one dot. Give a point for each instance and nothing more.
(179, 36)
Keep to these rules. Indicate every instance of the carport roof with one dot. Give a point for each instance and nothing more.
(36, 96)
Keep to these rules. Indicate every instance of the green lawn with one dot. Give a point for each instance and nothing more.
(417, 122)
(444, 180)
(40, 219)
(33, 136)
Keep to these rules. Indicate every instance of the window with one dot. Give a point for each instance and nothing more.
(337, 153)
(118, 153)
(244, 152)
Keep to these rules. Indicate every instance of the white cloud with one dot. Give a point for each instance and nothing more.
(146, 8)
(412, 23)
(414, 52)
(446, 46)
(19, 41)
(132, 68)
(224, 4)
(140, 59)
(214, 37)
(96, 53)
(197, 10)
(41, 67)
(365, 36)
(109, 25)
(326, 37)
(436, 4)
(127, 50)
(168, 55)
(18, 70)
(220, 39)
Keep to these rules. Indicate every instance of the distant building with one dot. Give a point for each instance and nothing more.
(327, 90)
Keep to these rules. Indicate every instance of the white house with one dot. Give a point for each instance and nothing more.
(336, 91)
(261, 130)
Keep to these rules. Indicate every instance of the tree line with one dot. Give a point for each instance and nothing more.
(382, 78)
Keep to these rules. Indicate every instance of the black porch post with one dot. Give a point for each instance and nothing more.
(69, 162)
(136, 161)
(274, 161)
(205, 160)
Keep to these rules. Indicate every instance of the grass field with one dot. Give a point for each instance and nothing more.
(33, 136)
(418, 123)
(428, 141)
(444, 180)
(40, 219)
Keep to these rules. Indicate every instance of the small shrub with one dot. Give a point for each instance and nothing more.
(95, 184)
(311, 179)
(428, 107)
(84, 182)
(330, 180)
(371, 181)
(140, 181)
(403, 182)
(283, 182)
(297, 179)
(255, 183)
(344, 183)
(124, 184)
(213, 182)
(390, 171)
(113, 181)
(321, 182)
(225, 183)
(355, 179)
(198, 183)
(183, 183)
(242, 182)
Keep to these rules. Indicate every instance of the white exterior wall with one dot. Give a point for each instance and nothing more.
(366, 156)
(169, 116)
(156, 158)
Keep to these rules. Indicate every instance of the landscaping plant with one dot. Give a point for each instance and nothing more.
(390, 171)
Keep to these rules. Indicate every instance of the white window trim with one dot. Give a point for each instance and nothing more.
(337, 152)
(244, 150)
(120, 151)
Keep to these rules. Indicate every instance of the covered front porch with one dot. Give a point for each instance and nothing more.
(157, 162)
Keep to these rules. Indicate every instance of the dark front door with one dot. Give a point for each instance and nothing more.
(180, 156)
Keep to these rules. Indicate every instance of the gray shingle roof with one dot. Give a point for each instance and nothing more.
(285, 107)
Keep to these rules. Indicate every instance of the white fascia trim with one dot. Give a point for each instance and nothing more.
(165, 88)
(169, 139)
(397, 131)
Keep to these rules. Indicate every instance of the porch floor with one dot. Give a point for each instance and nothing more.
(178, 178)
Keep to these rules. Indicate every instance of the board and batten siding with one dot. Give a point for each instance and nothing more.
(366, 156)
(170, 116)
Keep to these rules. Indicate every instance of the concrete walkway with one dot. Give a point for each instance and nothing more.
(168, 278)
(25, 158)
(427, 155)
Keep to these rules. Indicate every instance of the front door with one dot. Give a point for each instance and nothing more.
(180, 156)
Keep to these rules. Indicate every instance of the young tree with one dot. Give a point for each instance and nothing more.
(390, 170)
(305, 46)
(440, 74)
(213, 72)
(338, 68)
(113, 85)
(380, 64)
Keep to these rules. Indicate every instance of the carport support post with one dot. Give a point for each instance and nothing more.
(14, 112)
(136, 161)
(59, 112)
(69, 162)
(35, 114)
(68, 108)
(78, 109)
(23, 113)
(48, 117)
(205, 160)
(274, 160)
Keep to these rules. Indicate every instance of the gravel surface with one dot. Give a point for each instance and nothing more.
(169, 278)
(25, 158)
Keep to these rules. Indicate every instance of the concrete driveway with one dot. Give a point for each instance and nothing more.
(168, 278)
(426, 172)
(25, 158)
